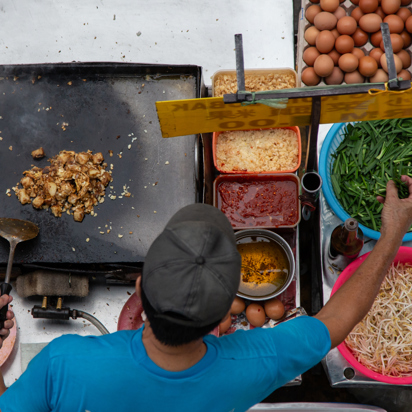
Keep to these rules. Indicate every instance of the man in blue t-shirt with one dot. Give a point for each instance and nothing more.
(190, 278)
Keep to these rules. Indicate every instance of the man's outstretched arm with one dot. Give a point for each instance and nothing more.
(350, 304)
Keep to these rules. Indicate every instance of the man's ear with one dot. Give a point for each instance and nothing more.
(138, 287)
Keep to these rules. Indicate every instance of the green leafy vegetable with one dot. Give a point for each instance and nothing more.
(370, 154)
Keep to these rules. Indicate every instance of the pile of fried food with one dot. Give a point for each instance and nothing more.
(73, 183)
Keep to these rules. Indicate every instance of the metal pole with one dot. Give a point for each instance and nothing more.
(240, 69)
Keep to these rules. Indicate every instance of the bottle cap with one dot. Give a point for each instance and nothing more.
(351, 224)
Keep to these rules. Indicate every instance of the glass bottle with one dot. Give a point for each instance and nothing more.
(346, 240)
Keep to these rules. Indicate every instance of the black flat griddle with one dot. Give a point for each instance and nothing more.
(107, 106)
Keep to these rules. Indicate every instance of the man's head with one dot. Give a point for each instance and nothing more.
(191, 275)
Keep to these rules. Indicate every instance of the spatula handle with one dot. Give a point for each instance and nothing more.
(5, 289)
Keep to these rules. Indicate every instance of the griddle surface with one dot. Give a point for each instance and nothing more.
(107, 107)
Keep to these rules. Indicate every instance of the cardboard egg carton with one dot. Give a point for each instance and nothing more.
(302, 43)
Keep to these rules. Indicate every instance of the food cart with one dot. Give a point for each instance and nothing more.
(173, 66)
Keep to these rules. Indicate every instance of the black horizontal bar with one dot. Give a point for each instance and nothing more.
(305, 92)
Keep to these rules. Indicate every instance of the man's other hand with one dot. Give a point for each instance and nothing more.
(8, 324)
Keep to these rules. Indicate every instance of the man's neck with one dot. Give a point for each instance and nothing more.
(172, 358)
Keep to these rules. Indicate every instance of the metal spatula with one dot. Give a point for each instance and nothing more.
(15, 231)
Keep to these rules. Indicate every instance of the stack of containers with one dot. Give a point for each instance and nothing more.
(258, 187)
(257, 160)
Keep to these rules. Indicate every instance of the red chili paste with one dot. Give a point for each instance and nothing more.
(259, 203)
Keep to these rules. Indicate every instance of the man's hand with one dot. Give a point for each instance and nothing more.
(396, 213)
(8, 324)
(352, 301)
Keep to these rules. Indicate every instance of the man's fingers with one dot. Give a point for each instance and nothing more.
(380, 199)
(5, 300)
(8, 324)
(391, 190)
(4, 333)
(10, 315)
(408, 181)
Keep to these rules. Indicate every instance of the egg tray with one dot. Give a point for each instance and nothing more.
(302, 44)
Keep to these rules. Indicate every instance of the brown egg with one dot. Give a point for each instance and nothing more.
(405, 2)
(335, 78)
(397, 43)
(323, 65)
(325, 21)
(346, 25)
(370, 23)
(329, 5)
(407, 40)
(238, 306)
(310, 55)
(367, 66)
(359, 53)
(376, 38)
(355, 2)
(404, 74)
(354, 77)
(368, 6)
(334, 55)
(325, 41)
(335, 33)
(315, 1)
(348, 62)
(357, 13)
(274, 308)
(408, 24)
(311, 12)
(339, 13)
(376, 53)
(380, 12)
(380, 77)
(225, 325)
(255, 314)
(405, 58)
(309, 77)
(398, 63)
(360, 37)
(310, 35)
(344, 44)
(390, 6)
(404, 13)
(395, 23)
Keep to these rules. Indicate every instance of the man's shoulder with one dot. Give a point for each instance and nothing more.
(76, 344)
(244, 341)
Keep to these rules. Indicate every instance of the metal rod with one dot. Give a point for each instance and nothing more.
(240, 68)
(311, 155)
(390, 61)
(305, 92)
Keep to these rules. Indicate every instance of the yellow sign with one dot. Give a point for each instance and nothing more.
(185, 117)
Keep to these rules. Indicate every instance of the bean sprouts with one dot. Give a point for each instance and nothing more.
(382, 341)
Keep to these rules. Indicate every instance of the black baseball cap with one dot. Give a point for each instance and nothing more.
(192, 270)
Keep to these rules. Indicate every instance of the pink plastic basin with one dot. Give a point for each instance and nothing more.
(404, 255)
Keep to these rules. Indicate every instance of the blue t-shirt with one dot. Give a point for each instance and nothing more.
(114, 373)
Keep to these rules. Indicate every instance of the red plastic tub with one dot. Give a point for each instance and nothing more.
(404, 255)
(264, 201)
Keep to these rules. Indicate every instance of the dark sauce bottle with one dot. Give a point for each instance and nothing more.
(346, 240)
